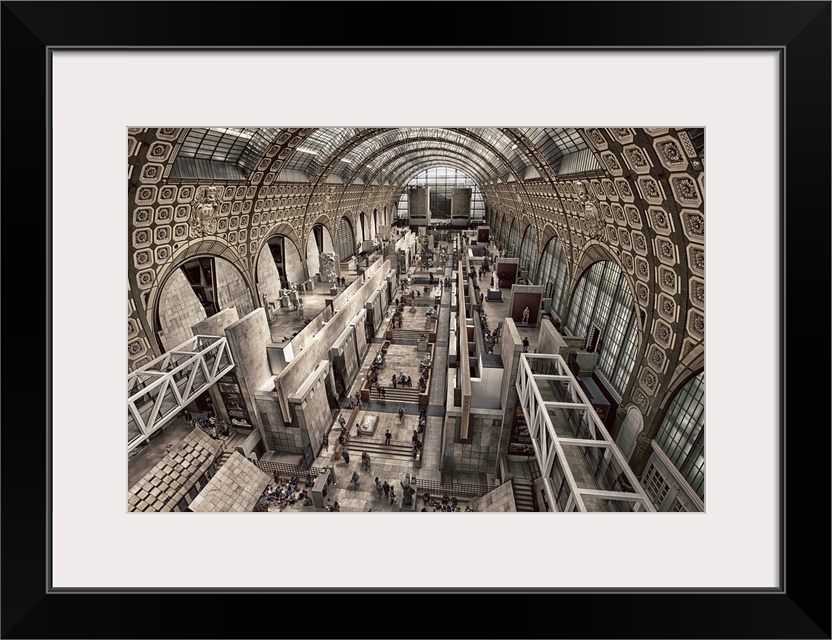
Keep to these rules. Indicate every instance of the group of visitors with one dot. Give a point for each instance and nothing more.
(490, 338)
(285, 492)
(400, 380)
(446, 504)
(208, 423)
(354, 401)
(386, 491)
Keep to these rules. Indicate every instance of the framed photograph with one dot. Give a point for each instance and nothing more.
(754, 75)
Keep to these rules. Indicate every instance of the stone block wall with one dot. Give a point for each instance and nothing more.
(312, 408)
(499, 500)
(247, 339)
(549, 339)
(292, 262)
(268, 280)
(293, 376)
(232, 290)
(179, 310)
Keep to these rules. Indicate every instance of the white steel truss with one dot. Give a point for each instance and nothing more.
(583, 469)
(157, 391)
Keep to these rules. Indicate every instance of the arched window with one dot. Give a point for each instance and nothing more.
(318, 232)
(682, 433)
(513, 239)
(345, 241)
(502, 236)
(552, 273)
(363, 220)
(200, 275)
(602, 305)
(528, 252)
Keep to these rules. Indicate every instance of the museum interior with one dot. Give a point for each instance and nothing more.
(415, 320)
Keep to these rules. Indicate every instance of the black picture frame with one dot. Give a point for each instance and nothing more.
(800, 608)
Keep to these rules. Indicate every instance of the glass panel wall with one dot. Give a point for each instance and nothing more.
(528, 252)
(344, 240)
(603, 299)
(442, 181)
(682, 434)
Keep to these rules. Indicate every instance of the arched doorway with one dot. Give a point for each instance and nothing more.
(319, 241)
(198, 289)
(287, 260)
(344, 240)
(528, 253)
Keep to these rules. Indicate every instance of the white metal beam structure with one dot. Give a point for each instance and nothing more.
(582, 467)
(157, 391)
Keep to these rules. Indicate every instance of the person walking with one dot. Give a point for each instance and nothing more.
(355, 479)
(392, 495)
(379, 488)
(326, 442)
(346, 456)
(386, 488)
(394, 381)
(525, 344)
(401, 413)
(387, 437)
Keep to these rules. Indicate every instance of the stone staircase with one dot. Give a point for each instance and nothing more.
(523, 495)
(399, 394)
(228, 442)
(374, 445)
(411, 335)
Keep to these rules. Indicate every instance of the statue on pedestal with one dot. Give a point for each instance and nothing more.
(327, 262)
(526, 315)
(407, 493)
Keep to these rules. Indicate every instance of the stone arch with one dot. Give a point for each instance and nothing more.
(362, 223)
(149, 300)
(180, 301)
(628, 432)
(316, 242)
(345, 238)
(287, 258)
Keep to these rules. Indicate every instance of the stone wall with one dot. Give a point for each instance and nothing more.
(247, 339)
(179, 310)
(295, 373)
(232, 290)
(311, 406)
(499, 500)
(268, 279)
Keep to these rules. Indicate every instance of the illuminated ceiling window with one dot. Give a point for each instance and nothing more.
(554, 143)
(222, 153)
(441, 181)
(318, 148)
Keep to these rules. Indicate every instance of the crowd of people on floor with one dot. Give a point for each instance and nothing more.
(445, 504)
(285, 492)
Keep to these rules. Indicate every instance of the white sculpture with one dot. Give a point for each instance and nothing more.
(327, 262)
(526, 315)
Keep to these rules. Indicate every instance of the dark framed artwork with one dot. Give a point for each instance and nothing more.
(80, 325)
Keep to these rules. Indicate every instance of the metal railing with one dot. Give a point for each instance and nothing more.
(453, 489)
(288, 470)
(159, 390)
